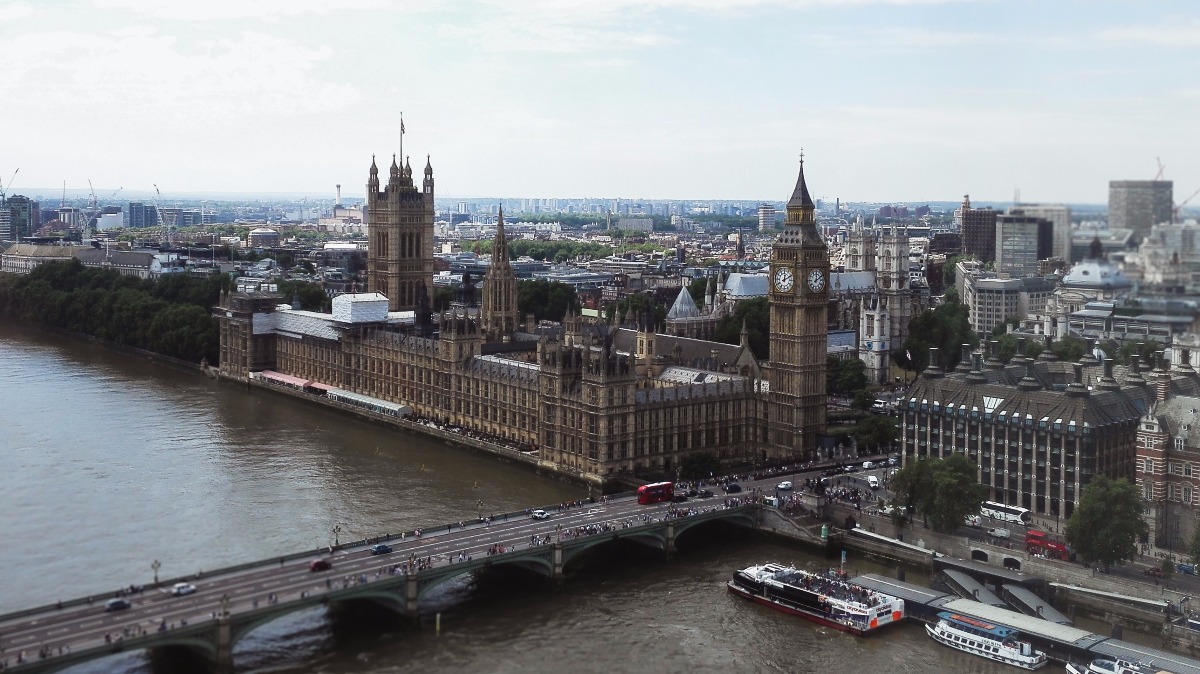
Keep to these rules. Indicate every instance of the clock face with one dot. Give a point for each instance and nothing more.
(816, 280)
(783, 280)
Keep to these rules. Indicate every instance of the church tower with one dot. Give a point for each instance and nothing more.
(400, 236)
(500, 290)
(799, 298)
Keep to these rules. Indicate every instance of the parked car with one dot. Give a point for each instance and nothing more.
(115, 605)
(320, 565)
(784, 486)
(381, 549)
(180, 589)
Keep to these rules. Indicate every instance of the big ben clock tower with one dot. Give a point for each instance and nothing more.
(799, 303)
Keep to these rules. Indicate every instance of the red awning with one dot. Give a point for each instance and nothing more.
(288, 379)
(318, 386)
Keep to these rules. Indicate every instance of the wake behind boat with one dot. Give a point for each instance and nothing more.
(994, 642)
(829, 599)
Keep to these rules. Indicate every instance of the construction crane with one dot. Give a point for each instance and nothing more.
(4, 188)
(166, 229)
(1161, 168)
(1179, 208)
(89, 214)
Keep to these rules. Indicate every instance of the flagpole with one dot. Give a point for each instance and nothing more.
(402, 139)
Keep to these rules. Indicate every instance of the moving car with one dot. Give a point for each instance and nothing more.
(540, 515)
(180, 589)
(732, 488)
(784, 486)
(319, 565)
(1155, 571)
(381, 549)
(115, 605)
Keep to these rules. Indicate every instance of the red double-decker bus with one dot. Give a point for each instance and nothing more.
(656, 493)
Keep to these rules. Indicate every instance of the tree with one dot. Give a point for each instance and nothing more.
(1145, 350)
(944, 491)
(312, 297)
(876, 431)
(1194, 546)
(1069, 348)
(862, 401)
(697, 289)
(756, 315)
(1107, 525)
(545, 300)
(699, 466)
(945, 327)
(844, 376)
(956, 493)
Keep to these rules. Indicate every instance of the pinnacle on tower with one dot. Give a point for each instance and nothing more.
(800, 195)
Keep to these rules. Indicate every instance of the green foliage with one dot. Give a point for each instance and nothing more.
(1193, 549)
(950, 271)
(545, 300)
(312, 296)
(1069, 348)
(632, 308)
(944, 491)
(443, 296)
(169, 315)
(945, 327)
(1146, 350)
(699, 466)
(697, 288)
(845, 376)
(876, 431)
(1107, 525)
(756, 314)
(1006, 346)
(956, 493)
(862, 401)
(1167, 566)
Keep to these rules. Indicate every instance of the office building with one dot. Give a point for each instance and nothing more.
(978, 229)
(1138, 205)
(1060, 216)
(1020, 242)
(766, 217)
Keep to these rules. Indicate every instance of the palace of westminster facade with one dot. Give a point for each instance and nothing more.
(587, 397)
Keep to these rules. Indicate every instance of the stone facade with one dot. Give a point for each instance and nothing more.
(592, 399)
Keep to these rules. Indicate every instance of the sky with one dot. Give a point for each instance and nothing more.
(890, 100)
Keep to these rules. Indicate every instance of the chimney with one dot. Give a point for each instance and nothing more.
(976, 376)
(1107, 382)
(934, 370)
(1020, 350)
(964, 365)
(1076, 389)
(993, 359)
(1089, 357)
(1162, 379)
(1135, 371)
(1185, 361)
(339, 196)
(1029, 382)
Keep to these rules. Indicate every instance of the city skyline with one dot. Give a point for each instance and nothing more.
(892, 100)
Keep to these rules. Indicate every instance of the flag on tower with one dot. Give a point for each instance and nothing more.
(401, 126)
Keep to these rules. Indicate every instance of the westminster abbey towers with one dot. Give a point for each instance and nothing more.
(400, 234)
(799, 298)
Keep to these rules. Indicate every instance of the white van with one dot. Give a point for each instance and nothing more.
(872, 482)
(868, 465)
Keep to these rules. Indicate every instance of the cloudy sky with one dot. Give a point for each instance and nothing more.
(710, 99)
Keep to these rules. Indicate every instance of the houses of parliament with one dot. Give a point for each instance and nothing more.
(588, 398)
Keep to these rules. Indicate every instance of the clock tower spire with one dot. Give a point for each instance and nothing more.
(799, 299)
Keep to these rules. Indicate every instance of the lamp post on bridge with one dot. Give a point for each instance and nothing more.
(479, 515)
(155, 566)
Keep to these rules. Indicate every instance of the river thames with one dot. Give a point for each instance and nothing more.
(110, 462)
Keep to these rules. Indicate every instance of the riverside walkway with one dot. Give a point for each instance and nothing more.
(229, 603)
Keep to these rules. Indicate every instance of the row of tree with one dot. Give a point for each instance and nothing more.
(170, 315)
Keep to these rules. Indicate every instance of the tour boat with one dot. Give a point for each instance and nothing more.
(828, 599)
(994, 642)
(1113, 666)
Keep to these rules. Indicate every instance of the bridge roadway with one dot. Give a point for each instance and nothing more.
(230, 603)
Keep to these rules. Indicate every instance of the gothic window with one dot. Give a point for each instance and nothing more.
(1187, 494)
(1147, 490)
(1179, 443)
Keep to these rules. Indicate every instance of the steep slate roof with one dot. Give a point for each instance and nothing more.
(1178, 413)
(684, 306)
(746, 285)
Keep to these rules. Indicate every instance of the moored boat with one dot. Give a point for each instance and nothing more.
(1113, 666)
(830, 599)
(978, 637)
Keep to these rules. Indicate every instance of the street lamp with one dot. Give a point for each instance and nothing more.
(480, 511)
(156, 565)
(337, 529)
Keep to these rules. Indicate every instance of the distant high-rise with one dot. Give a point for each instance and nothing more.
(142, 215)
(1060, 216)
(1020, 242)
(766, 217)
(1138, 205)
(24, 216)
(978, 229)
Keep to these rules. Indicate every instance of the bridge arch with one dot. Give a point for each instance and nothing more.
(1013, 563)
(539, 563)
(978, 555)
(740, 517)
